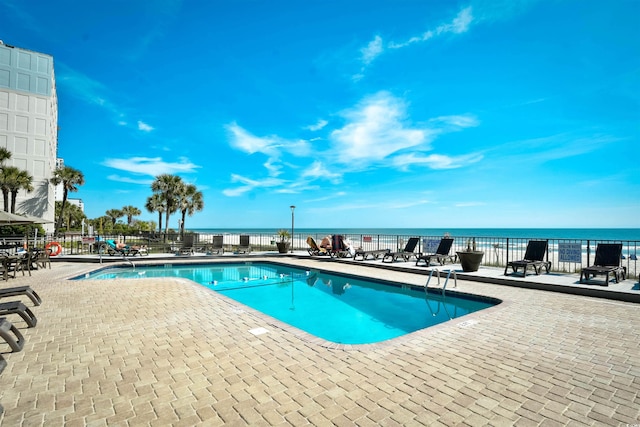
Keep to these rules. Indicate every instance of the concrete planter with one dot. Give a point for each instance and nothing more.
(470, 261)
(283, 247)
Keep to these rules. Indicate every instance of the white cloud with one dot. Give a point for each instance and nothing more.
(250, 184)
(152, 166)
(144, 127)
(434, 161)
(317, 170)
(455, 123)
(372, 50)
(321, 124)
(375, 129)
(469, 204)
(129, 180)
(459, 24)
(270, 145)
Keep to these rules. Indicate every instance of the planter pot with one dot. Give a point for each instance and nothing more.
(470, 261)
(283, 247)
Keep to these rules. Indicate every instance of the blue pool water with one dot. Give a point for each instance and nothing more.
(338, 308)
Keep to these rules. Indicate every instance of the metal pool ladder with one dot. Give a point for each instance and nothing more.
(450, 272)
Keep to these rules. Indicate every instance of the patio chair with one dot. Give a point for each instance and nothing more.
(16, 307)
(11, 335)
(115, 248)
(314, 249)
(43, 258)
(188, 243)
(441, 254)
(405, 253)
(217, 247)
(608, 256)
(338, 247)
(8, 266)
(533, 257)
(374, 253)
(21, 290)
(244, 247)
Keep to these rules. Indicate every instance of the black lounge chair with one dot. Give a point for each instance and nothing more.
(217, 247)
(11, 335)
(16, 307)
(21, 290)
(533, 257)
(244, 247)
(405, 254)
(338, 247)
(374, 254)
(608, 256)
(188, 243)
(314, 249)
(441, 255)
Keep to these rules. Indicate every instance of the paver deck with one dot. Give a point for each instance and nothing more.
(169, 352)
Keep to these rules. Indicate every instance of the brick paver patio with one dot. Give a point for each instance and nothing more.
(164, 352)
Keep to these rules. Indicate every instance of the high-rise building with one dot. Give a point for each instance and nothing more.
(29, 125)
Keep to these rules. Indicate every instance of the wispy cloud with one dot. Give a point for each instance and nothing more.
(434, 161)
(151, 166)
(129, 180)
(376, 47)
(372, 50)
(144, 127)
(377, 132)
(93, 92)
(553, 147)
(317, 170)
(469, 204)
(250, 184)
(321, 124)
(387, 205)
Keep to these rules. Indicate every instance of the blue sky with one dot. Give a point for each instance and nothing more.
(403, 113)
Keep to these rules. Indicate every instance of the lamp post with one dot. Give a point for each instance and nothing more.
(292, 209)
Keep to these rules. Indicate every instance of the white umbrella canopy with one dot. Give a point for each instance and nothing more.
(35, 219)
(7, 218)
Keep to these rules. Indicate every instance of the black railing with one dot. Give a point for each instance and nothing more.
(497, 250)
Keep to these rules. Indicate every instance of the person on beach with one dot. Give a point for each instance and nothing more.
(326, 242)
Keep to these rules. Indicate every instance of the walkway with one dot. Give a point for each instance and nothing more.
(168, 352)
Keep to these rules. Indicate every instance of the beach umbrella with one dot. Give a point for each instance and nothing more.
(35, 220)
(7, 218)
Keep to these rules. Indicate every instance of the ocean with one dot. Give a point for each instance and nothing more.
(617, 234)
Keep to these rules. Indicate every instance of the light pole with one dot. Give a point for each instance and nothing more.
(292, 209)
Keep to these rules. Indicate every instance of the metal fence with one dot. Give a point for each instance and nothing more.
(497, 250)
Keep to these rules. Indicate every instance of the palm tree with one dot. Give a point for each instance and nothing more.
(156, 204)
(130, 212)
(114, 215)
(73, 216)
(8, 180)
(168, 187)
(13, 180)
(189, 202)
(70, 179)
(23, 181)
(4, 155)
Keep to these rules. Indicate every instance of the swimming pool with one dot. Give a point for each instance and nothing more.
(335, 307)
